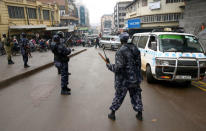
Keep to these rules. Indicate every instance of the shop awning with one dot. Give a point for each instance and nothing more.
(27, 27)
(57, 28)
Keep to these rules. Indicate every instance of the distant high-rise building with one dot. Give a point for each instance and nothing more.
(119, 14)
(83, 14)
(107, 24)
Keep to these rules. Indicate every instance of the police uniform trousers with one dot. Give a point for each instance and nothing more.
(25, 56)
(135, 96)
(63, 67)
(64, 75)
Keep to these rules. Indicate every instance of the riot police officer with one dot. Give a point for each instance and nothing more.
(61, 62)
(127, 69)
(24, 46)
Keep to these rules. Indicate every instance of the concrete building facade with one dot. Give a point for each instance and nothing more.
(194, 16)
(156, 13)
(21, 15)
(119, 14)
(107, 24)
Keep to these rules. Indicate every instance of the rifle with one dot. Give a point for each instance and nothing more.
(103, 58)
(27, 49)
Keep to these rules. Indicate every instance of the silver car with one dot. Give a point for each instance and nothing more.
(111, 42)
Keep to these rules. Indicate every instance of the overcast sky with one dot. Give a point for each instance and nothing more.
(97, 8)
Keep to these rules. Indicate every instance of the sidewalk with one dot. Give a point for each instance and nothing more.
(38, 60)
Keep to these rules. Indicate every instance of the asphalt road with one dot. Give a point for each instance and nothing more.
(35, 103)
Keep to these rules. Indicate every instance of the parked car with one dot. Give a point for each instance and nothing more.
(171, 56)
(111, 42)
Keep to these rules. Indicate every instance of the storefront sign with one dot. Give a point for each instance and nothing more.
(134, 23)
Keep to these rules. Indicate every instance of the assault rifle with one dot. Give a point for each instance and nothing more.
(106, 59)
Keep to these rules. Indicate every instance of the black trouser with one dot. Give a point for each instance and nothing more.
(25, 59)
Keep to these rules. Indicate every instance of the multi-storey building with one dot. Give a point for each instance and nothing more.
(107, 24)
(83, 14)
(194, 20)
(119, 14)
(145, 15)
(18, 16)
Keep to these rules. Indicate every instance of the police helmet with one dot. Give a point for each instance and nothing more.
(4, 35)
(23, 35)
(124, 37)
(56, 38)
(60, 34)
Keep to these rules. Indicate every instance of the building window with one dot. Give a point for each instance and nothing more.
(46, 14)
(52, 15)
(161, 18)
(32, 13)
(39, 12)
(16, 12)
(174, 1)
(144, 2)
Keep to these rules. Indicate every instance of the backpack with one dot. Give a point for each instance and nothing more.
(133, 70)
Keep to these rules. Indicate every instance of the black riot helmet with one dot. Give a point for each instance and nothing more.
(60, 34)
(56, 38)
(4, 35)
(124, 37)
(23, 35)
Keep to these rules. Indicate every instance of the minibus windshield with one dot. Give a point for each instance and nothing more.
(179, 43)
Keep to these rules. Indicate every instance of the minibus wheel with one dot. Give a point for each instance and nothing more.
(149, 76)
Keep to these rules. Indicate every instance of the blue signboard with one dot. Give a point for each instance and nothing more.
(134, 23)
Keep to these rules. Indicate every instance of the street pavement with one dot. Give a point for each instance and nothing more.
(35, 103)
(38, 59)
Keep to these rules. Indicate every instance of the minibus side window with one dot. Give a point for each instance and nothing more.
(152, 43)
(143, 41)
(135, 40)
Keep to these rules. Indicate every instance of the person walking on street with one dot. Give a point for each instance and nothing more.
(24, 46)
(61, 60)
(7, 42)
(127, 70)
(97, 42)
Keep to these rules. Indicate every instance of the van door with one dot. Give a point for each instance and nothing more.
(151, 49)
(143, 40)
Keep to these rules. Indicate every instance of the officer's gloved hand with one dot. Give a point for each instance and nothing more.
(109, 66)
(108, 61)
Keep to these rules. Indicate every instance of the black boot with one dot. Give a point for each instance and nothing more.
(65, 91)
(139, 116)
(26, 66)
(9, 62)
(112, 115)
(12, 62)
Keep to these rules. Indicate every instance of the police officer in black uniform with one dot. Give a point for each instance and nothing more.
(24, 46)
(61, 62)
(127, 70)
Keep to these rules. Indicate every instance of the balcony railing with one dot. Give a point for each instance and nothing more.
(15, 0)
(31, 1)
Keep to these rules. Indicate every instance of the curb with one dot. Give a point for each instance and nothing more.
(13, 79)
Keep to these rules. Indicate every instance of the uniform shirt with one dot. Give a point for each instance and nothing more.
(60, 52)
(127, 67)
(24, 45)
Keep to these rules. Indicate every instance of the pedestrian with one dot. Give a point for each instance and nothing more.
(15, 48)
(25, 51)
(7, 42)
(97, 42)
(61, 62)
(127, 70)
